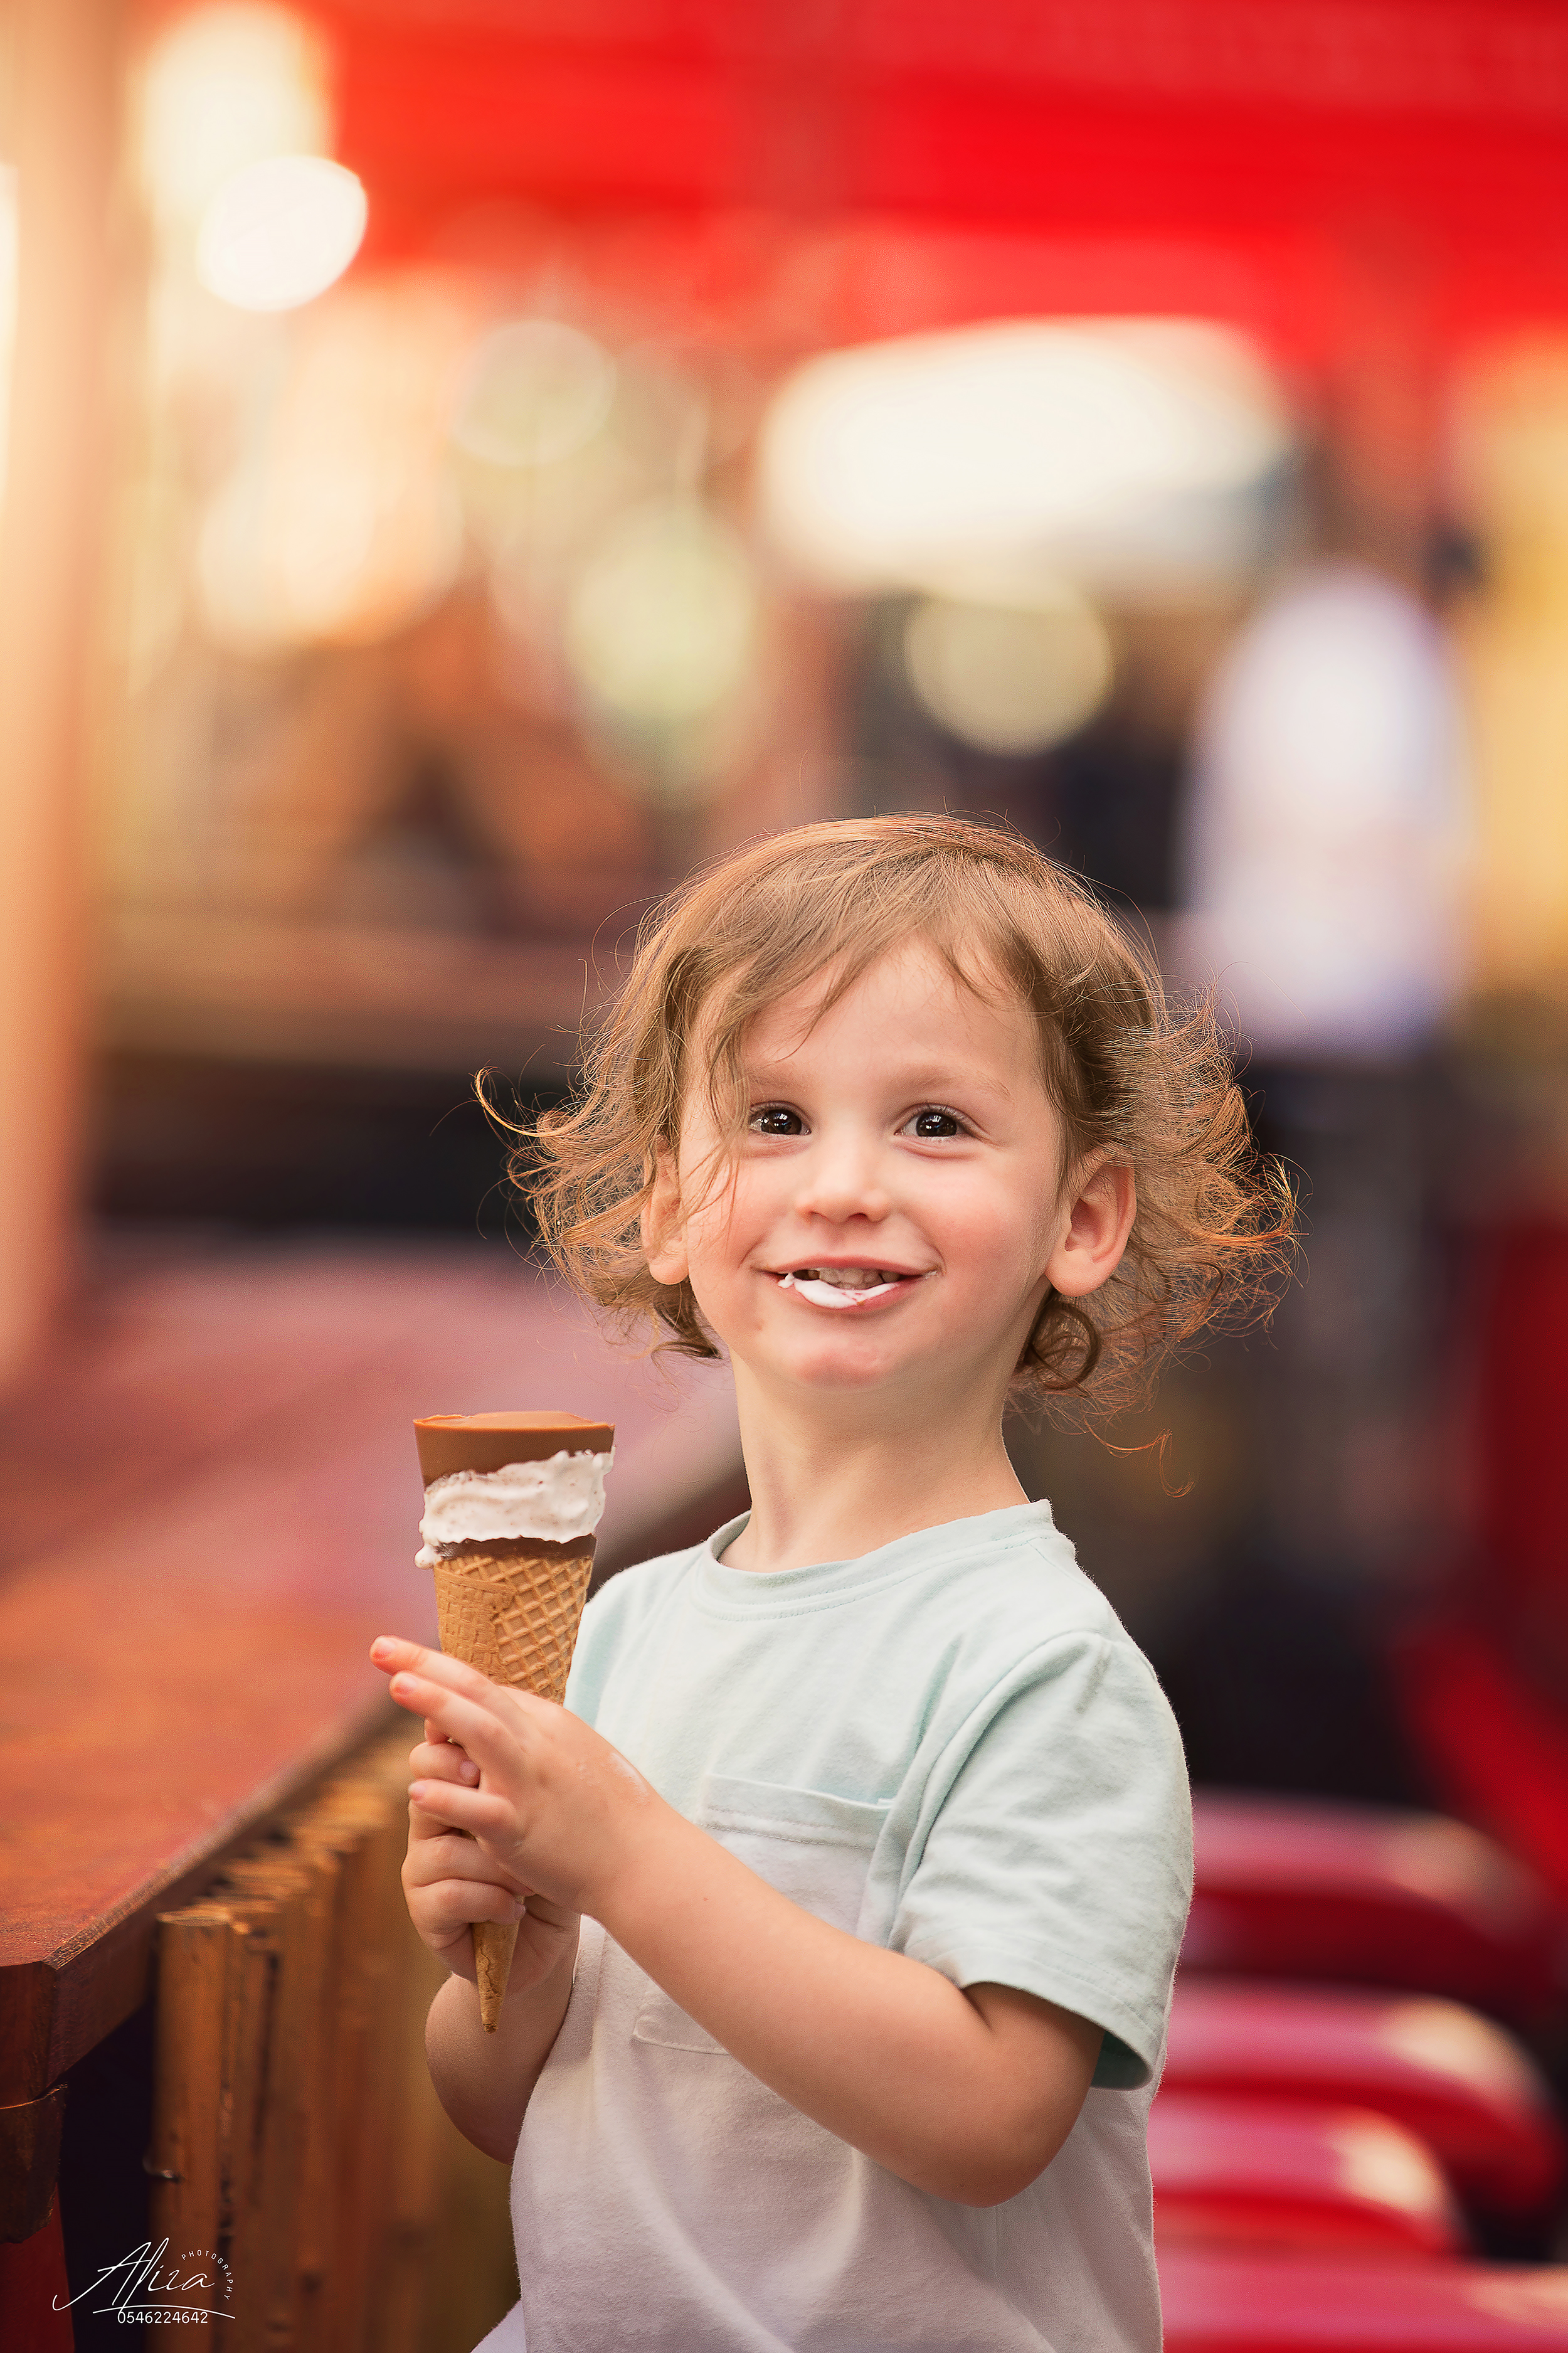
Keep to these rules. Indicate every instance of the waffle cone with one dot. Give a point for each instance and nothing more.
(516, 1620)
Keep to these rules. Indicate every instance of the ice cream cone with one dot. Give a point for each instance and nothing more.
(509, 1604)
(516, 1620)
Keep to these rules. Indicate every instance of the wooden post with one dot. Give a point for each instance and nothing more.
(194, 2000)
(66, 104)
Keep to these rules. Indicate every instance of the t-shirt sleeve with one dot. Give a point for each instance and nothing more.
(1053, 1851)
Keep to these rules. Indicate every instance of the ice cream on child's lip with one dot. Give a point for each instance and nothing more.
(836, 1287)
(489, 1481)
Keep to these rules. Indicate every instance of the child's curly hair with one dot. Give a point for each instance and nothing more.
(1215, 1225)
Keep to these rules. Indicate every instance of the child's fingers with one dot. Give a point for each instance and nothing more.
(443, 1760)
(431, 1862)
(424, 1824)
(397, 1658)
(483, 1721)
(442, 1908)
(548, 1914)
(477, 1811)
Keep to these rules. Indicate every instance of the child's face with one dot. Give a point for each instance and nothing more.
(897, 1209)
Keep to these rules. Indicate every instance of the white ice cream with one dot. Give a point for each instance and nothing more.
(559, 1499)
(831, 1294)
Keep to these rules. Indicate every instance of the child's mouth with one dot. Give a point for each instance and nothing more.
(843, 1286)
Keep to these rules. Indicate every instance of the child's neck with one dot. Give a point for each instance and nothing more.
(829, 1482)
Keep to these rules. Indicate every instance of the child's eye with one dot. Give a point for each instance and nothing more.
(933, 1124)
(776, 1119)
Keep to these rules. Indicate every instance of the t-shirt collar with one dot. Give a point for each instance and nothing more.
(824, 1582)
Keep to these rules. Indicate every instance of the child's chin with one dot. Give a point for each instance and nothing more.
(834, 1359)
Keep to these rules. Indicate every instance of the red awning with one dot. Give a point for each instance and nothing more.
(1239, 156)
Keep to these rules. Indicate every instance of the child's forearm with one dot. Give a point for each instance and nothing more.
(967, 2095)
(485, 2081)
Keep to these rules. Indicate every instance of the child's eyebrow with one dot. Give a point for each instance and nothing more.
(912, 1079)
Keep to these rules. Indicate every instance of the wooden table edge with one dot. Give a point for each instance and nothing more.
(55, 2005)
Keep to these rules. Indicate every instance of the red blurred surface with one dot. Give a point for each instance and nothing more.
(1274, 135)
(1306, 1889)
(1228, 2303)
(1328, 2182)
(1497, 1747)
(1462, 2085)
(1523, 1401)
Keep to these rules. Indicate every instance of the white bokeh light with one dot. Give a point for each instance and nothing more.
(1090, 445)
(1009, 678)
(280, 232)
(1329, 819)
(225, 87)
(662, 634)
(662, 617)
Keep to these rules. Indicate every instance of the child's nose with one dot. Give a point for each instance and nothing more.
(842, 1179)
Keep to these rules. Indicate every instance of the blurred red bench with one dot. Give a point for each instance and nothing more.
(1340, 2181)
(1297, 1889)
(1237, 2304)
(1459, 2083)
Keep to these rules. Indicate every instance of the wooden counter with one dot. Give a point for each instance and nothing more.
(211, 1501)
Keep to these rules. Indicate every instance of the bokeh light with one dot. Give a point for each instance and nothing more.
(1009, 678)
(660, 629)
(534, 391)
(1114, 449)
(340, 521)
(280, 232)
(223, 87)
(1329, 819)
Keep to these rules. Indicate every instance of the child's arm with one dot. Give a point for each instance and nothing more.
(967, 2094)
(483, 2081)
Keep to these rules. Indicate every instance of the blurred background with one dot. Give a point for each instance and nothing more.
(470, 465)
(466, 464)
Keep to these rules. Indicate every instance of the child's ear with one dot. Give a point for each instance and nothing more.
(1089, 1250)
(663, 1226)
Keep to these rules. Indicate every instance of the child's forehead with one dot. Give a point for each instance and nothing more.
(905, 1020)
(907, 987)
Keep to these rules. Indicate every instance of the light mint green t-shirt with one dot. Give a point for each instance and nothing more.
(949, 1746)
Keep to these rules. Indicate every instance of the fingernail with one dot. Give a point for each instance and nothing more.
(468, 1770)
(380, 1647)
(416, 1789)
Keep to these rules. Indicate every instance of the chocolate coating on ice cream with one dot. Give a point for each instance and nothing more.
(449, 1442)
(514, 1548)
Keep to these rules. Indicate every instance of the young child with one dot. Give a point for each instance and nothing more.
(851, 1877)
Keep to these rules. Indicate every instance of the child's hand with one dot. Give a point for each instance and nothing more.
(450, 1882)
(556, 1808)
